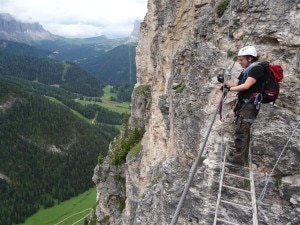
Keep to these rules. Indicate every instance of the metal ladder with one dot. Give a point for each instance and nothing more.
(251, 206)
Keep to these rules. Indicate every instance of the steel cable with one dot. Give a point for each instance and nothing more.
(262, 195)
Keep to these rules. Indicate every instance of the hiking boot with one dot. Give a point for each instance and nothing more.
(233, 160)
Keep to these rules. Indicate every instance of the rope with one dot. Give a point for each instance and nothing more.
(72, 216)
(230, 19)
(262, 195)
(193, 170)
(221, 107)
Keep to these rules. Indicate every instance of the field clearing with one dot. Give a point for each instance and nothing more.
(119, 107)
(67, 212)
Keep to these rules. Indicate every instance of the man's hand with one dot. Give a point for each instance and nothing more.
(225, 87)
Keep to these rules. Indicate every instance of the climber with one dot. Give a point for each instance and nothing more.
(251, 80)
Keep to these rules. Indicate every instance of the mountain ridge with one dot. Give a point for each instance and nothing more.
(135, 34)
(13, 30)
(24, 49)
(29, 32)
(66, 75)
(109, 60)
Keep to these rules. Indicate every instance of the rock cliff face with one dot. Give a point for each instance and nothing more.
(183, 46)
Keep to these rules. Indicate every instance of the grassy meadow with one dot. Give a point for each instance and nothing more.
(72, 211)
(120, 107)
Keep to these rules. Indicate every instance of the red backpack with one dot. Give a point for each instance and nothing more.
(271, 87)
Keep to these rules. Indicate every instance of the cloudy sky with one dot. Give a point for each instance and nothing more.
(79, 18)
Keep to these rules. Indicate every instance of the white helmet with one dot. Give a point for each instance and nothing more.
(248, 50)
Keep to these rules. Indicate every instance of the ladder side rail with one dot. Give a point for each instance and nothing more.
(252, 187)
(220, 186)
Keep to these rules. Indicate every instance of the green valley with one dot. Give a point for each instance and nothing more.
(56, 120)
(45, 147)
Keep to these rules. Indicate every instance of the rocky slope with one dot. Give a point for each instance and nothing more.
(183, 46)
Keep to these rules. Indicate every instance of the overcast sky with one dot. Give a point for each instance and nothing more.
(79, 18)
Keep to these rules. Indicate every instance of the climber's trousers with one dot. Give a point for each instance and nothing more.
(244, 120)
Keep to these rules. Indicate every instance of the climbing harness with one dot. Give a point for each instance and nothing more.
(257, 100)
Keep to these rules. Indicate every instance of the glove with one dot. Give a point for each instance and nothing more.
(225, 87)
(220, 78)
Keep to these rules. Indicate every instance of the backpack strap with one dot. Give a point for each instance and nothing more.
(246, 72)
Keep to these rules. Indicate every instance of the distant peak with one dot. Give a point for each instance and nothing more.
(19, 31)
(6, 16)
(135, 34)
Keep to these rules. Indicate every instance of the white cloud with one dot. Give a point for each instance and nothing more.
(79, 18)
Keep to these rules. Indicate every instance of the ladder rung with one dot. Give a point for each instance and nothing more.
(234, 175)
(236, 165)
(264, 204)
(225, 221)
(236, 189)
(235, 204)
